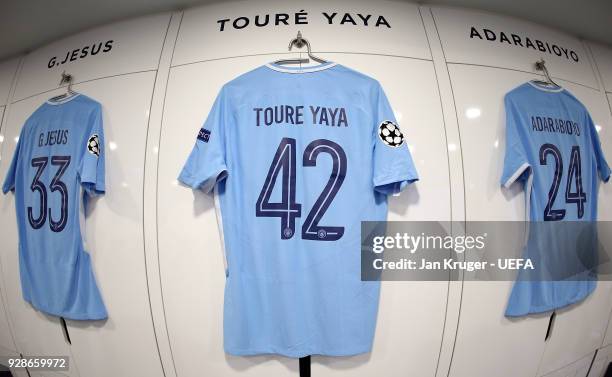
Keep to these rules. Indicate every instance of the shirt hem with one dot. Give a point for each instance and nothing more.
(80, 316)
(298, 354)
(549, 308)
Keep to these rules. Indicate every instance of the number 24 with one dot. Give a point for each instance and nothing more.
(574, 173)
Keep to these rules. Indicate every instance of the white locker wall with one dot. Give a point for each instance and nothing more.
(39, 373)
(483, 329)
(602, 56)
(155, 246)
(601, 362)
(579, 368)
(8, 69)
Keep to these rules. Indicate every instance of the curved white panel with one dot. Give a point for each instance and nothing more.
(608, 337)
(191, 259)
(479, 93)
(35, 333)
(602, 116)
(119, 48)
(8, 68)
(456, 178)
(6, 339)
(579, 368)
(37, 373)
(113, 236)
(600, 364)
(125, 344)
(500, 41)
(230, 29)
(580, 329)
(150, 198)
(485, 338)
(603, 60)
(23, 373)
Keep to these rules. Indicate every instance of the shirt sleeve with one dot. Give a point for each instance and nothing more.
(602, 164)
(93, 156)
(393, 166)
(516, 165)
(206, 163)
(9, 180)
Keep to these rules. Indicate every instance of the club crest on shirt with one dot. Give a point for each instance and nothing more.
(390, 134)
(93, 145)
(204, 135)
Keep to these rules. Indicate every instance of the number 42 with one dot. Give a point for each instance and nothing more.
(287, 209)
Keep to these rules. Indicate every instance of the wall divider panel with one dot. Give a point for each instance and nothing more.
(601, 362)
(8, 70)
(602, 60)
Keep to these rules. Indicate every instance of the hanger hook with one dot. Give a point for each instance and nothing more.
(66, 79)
(300, 42)
(540, 65)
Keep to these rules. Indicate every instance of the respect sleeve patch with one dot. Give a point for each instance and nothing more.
(204, 135)
(93, 145)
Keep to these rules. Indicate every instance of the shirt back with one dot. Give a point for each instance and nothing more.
(552, 147)
(298, 157)
(59, 152)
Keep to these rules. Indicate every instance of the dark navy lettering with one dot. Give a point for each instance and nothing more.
(294, 115)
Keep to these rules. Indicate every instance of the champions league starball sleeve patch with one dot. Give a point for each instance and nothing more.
(93, 145)
(390, 134)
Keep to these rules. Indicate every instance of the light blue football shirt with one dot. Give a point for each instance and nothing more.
(60, 150)
(298, 158)
(552, 147)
